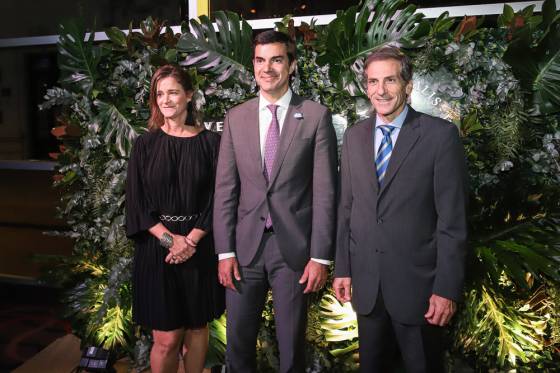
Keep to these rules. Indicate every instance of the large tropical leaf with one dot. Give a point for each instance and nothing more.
(217, 345)
(78, 57)
(492, 328)
(224, 53)
(116, 327)
(441, 25)
(531, 246)
(546, 85)
(115, 128)
(340, 325)
(350, 37)
(538, 67)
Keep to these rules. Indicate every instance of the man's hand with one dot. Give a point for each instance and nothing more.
(342, 288)
(225, 269)
(315, 274)
(441, 310)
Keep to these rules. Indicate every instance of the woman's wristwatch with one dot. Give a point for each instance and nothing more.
(166, 240)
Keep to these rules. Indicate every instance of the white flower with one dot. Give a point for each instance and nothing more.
(503, 166)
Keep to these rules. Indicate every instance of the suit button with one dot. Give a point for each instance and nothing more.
(379, 221)
(263, 218)
(376, 250)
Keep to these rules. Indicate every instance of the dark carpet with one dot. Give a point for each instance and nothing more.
(30, 320)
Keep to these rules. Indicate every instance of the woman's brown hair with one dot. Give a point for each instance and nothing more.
(156, 117)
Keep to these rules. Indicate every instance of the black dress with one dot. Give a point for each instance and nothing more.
(169, 175)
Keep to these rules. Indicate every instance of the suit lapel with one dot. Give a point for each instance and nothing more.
(252, 135)
(367, 144)
(286, 136)
(408, 136)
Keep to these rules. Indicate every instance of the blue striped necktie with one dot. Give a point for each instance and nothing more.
(384, 152)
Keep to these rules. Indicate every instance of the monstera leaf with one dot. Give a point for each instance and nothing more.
(224, 53)
(530, 247)
(340, 325)
(496, 330)
(78, 57)
(115, 127)
(350, 38)
(538, 67)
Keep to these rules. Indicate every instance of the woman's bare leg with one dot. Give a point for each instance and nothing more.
(164, 357)
(195, 347)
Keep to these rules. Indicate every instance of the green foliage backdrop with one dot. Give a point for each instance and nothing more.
(500, 85)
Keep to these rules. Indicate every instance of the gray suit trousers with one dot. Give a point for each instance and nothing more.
(268, 270)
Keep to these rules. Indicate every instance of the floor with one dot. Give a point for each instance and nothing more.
(30, 319)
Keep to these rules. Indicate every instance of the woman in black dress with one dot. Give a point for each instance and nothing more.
(169, 194)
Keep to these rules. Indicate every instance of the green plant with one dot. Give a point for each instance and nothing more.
(217, 349)
(499, 85)
(534, 54)
(350, 38)
(225, 53)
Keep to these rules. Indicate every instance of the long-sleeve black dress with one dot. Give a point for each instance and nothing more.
(169, 175)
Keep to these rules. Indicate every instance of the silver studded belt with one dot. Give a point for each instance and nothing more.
(175, 218)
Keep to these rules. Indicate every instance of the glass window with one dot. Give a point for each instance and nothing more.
(255, 9)
(25, 18)
(25, 74)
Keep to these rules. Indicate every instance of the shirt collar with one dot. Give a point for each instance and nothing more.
(397, 122)
(283, 102)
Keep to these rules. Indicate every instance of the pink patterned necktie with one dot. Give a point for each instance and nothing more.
(271, 144)
(270, 147)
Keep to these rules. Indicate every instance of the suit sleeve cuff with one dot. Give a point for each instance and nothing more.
(226, 255)
(322, 261)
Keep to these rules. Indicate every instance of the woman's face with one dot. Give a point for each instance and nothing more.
(172, 99)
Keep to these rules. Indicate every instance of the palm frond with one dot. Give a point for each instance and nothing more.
(115, 328)
(547, 81)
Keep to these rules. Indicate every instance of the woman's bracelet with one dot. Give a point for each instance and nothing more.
(166, 240)
(190, 241)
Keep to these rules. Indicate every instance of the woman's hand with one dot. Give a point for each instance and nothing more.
(183, 248)
(192, 239)
(181, 251)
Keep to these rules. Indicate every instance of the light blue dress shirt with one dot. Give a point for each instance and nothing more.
(397, 123)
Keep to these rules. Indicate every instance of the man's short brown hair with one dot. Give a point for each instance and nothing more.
(391, 53)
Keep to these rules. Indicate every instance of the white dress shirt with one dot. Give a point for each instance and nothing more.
(265, 118)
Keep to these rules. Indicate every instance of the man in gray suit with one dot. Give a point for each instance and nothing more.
(274, 207)
(401, 222)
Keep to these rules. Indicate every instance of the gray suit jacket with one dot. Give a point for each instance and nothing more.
(302, 190)
(409, 237)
